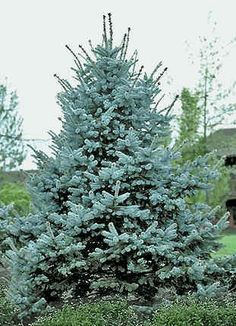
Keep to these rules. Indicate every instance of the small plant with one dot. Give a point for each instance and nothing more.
(7, 310)
(96, 314)
(196, 313)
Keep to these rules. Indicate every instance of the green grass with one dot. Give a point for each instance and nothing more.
(229, 242)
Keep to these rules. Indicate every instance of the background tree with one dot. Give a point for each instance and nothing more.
(213, 98)
(11, 145)
(205, 110)
(188, 122)
(192, 144)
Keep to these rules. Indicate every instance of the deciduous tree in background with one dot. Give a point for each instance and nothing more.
(11, 145)
(214, 100)
(189, 121)
(192, 144)
(205, 109)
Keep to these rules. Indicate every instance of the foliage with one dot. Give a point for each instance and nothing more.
(112, 215)
(188, 126)
(196, 313)
(11, 145)
(205, 109)
(15, 194)
(217, 194)
(14, 202)
(214, 101)
(93, 314)
(192, 144)
(7, 310)
(7, 214)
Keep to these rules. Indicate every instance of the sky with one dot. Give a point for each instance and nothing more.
(34, 34)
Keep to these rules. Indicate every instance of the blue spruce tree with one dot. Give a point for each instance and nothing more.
(111, 214)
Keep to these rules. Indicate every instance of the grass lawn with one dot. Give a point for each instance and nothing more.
(229, 241)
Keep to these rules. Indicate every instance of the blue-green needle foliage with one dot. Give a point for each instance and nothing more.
(112, 215)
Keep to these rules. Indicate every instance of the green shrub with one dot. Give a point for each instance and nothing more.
(96, 314)
(7, 311)
(196, 313)
(16, 194)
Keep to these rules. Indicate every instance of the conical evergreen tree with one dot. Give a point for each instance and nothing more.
(111, 213)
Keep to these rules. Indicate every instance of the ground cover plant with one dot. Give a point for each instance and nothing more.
(93, 314)
(183, 312)
(112, 215)
(196, 313)
(7, 310)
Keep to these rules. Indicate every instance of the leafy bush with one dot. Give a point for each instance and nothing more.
(16, 194)
(196, 313)
(97, 314)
